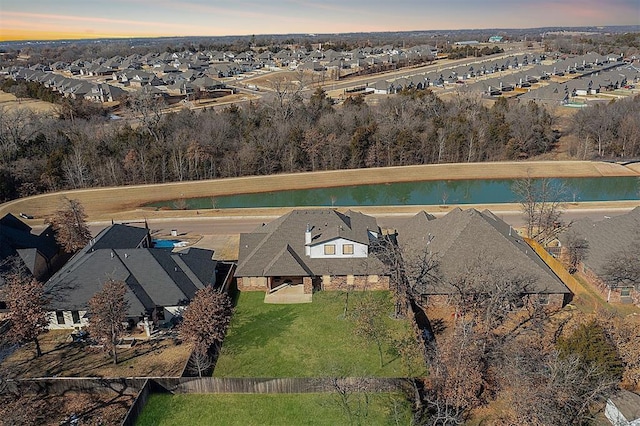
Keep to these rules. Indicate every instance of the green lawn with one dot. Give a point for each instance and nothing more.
(308, 340)
(281, 410)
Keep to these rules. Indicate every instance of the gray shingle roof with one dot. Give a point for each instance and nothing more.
(120, 236)
(464, 238)
(154, 277)
(16, 238)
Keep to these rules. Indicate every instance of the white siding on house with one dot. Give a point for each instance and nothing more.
(68, 320)
(359, 250)
(172, 311)
(616, 418)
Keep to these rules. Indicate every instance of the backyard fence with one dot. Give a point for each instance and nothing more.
(60, 385)
(212, 385)
(138, 405)
(556, 266)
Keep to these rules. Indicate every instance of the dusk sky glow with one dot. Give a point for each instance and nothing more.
(46, 19)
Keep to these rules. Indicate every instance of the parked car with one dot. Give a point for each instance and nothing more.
(26, 216)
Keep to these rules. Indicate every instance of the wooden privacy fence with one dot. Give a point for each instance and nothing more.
(211, 385)
(138, 405)
(60, 385)
(556, 266)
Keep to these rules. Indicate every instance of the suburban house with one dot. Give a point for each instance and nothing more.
(39, 253)
(623, 409)
(159, 282)
(313, 249)
(465, 241)
(606, 238)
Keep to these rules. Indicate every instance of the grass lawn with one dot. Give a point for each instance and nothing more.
(308, 340)
(281, 410)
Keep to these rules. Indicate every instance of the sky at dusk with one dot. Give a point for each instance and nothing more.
(54, 19)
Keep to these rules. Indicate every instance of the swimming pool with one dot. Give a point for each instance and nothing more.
(166, 244)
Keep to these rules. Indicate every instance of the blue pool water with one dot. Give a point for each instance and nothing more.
(166, 244)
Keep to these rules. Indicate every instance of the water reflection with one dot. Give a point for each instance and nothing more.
(484, 191)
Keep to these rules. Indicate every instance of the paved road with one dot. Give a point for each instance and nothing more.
(236, 225)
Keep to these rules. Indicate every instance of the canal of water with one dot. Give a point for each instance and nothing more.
(477, 191)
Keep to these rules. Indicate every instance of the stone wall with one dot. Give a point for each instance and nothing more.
(355, 282)
(308, 285)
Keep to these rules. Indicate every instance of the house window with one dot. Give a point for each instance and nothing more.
(160, 313)
(625, 292)
(329, 249)
(60, 317)
(543, 299)
(76, 317)
(347, 249)
(3, 305)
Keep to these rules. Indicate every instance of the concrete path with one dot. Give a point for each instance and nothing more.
(289, 295)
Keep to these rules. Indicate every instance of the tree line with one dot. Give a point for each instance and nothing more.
(40, 153)
(539, 365)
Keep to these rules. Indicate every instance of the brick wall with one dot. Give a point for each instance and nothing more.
(615, 295)
(554, 301)
(308, 285)
(252, 284)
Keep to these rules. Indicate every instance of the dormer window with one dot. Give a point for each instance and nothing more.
(347, 249)
(329, 249)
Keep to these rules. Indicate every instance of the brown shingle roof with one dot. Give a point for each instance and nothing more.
(606, 237)
(464, 238)
(278, 248)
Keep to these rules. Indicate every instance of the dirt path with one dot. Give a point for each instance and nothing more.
(126, 203)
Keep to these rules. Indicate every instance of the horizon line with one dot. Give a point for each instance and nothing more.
(79, 37)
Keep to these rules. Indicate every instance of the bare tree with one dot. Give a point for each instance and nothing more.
(410, 273)
(368, 315)
(26, 302)
(541, 387)
(542, 202)
(456, 378)
(287, 92)
(107, 315)
(200, 362)
(577, 250)
(205, 321)
(353, 397)
(623, 267)
(70, 225)
(148, 110)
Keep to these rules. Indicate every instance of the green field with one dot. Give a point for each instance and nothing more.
(281, 410)
(308, 340)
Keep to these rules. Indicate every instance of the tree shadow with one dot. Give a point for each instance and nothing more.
(438, 326)
(254, 331)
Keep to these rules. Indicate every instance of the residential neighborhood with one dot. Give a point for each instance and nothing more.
(305, 254)
(436, 227)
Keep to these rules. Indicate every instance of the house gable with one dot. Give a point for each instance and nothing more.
(463, 239)
(300, 237)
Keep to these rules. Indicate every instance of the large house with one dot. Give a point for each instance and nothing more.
(316, 249)
(160, 283)
(39, 254)
(606, 238)
(467, 242)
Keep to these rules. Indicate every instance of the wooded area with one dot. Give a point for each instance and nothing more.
(40, 154)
